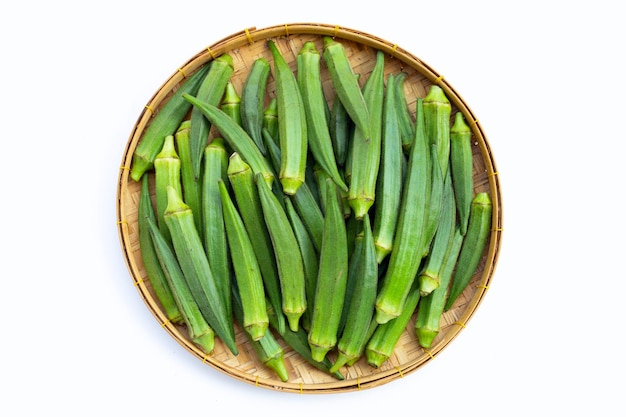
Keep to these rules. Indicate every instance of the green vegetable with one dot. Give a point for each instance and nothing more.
(253, 99)
(437, 111)
(461, 164)
(231, 103)
(191, 184)
(166, 173)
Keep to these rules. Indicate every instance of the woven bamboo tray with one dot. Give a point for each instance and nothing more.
(245, 47)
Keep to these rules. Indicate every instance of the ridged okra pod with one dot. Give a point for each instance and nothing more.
(231, 103)
(405, 259)
(210, 91)
(437, 109)
(267, 349)
(149, 256)
(199, 330)
(407, 125)
(236, 138)
(474, 242)
(253, 100)
(461, 165)
(365, 155)
(247, 272)
(248, 202)
(213, 227)
(390, 176)
(361, 307)
(315, 109)
(166, 173)
(289, 261)
(341, 128)
(195, 266)
(270, 119)
(191, 184)
(292, 129)
(430, 309)
(435, 201)
(164, 123)
(310, 258)
(346, 84)
(428, 277)
(331, 279)
(381, 344)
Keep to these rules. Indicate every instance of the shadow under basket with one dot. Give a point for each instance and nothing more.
(245, 47)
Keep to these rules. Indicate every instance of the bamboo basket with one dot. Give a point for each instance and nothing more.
(408, 356)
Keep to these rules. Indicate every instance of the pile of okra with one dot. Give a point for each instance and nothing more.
(328, 225)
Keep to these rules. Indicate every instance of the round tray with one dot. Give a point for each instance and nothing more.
(408, 356)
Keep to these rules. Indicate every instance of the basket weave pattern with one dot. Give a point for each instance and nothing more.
(245, 47)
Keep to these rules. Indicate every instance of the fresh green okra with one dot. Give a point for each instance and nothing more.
(461, 164)
(253, 100)
(166, 173)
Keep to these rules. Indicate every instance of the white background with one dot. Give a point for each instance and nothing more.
(545, 79)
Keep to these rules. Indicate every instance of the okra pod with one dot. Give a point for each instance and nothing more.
(381, 344)
(355, 252)
(269, 352)
(292, 129)
(310, 259)
(389, 181)
(341, 128)
(405, 258)
(164, 123)
(248, 202)
(166, 173)
(437, 109)
(210, 91)
(430, 309)
(361, 306)
(345, 84)
(253, 99)
(195, 266)
(428, 277)
(231, 103)
(366, 149)
(331, 279)
(213, 227)
(191, 184)
(289, 262)
(199, 330)
(315, 109)
(407, 126)
(474, 242)
(435, 201)
(149, 256)
(270, 119)
(247, 272)
(461, 165)
(236, 137)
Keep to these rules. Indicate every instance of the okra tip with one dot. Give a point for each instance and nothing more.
(291, 185)
(436, 95)
(427, 284)
(139, 166)
(278, 366)
(318, 353)
(257, 330)
(375, 359)
(342, 360)
(425, 336)
(294, 320)
(206, 341)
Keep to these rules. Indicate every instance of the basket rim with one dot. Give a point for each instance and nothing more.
(249, 36)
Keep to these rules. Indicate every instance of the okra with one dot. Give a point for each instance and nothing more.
(474, 242)
(315, 109)
(191, 184)
(310, 260)
(365, 156)
(341, 128)
(292, 129)
(236, 137)
(199, 330)
(346, 84)
(428, 277)
(331, 279)
(247, 272)
(389, 181)
(253, 99)
(149, 256)
(164, 123)
(355, 252)
(195, 266)
(361, 306)
(213, 227)
(270, 119)
(298, 341)
(248, 202)
(462, 168)
(435, 201)
(269, 352)
(437, 109)
(166, 173)
(288, 261)
(381, 344)
(405, 258)
(430, 309)
(210, 91)
(231, 103)
(407, 126)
